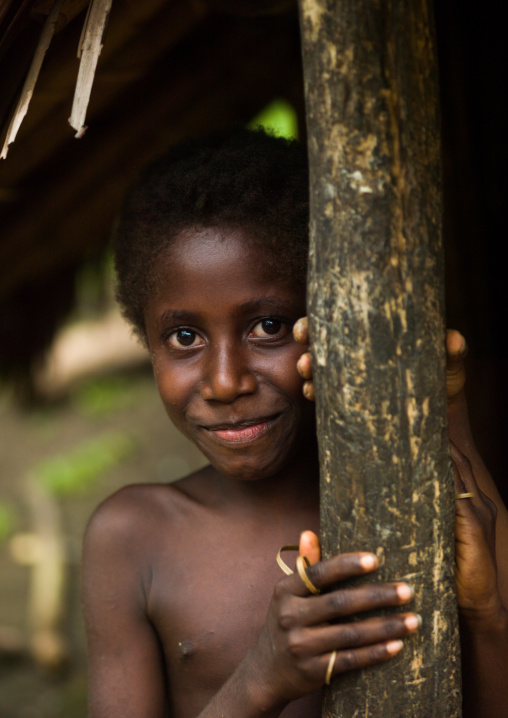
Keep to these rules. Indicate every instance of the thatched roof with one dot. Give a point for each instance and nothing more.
(167, 69)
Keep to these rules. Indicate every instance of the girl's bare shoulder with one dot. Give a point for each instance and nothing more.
(139, 510)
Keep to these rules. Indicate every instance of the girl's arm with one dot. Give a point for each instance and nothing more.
(126, 676)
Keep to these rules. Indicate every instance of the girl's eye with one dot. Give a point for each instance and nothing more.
(267, 327)
(184, 338)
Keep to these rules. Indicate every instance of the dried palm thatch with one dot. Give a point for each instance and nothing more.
(161, 70)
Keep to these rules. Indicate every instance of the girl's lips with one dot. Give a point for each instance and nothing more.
(242, 434)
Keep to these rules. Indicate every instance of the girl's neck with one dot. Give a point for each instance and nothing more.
(293, 487)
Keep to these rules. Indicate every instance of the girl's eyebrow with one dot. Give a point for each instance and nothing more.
(261, 305)
(176, 316)
(269, 304)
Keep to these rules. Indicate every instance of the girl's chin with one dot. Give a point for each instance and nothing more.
(248, 469)
(261, 453)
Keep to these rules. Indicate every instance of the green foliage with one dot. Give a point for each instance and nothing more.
(77, 471)
(6, 520)
(103, 396)
(279, 118)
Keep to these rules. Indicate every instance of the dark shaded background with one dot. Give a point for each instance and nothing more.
(472, 55)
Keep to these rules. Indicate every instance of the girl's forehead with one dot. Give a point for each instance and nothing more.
(221, 251)
(207, 243)
(216, 260)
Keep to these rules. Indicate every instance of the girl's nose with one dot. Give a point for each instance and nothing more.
(227, 376)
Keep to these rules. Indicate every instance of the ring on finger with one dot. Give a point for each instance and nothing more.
(465, 495)
(300, 567)
(282, 564)
(329, 670)
(301, 561)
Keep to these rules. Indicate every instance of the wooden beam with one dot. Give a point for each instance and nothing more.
(376, 317)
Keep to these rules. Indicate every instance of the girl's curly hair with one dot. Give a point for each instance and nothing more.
(240, 179)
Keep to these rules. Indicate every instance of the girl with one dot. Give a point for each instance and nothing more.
(187, 612)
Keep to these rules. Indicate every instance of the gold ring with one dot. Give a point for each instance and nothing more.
(467, 495)
(282, 564)
(300, 567)
(329, 670)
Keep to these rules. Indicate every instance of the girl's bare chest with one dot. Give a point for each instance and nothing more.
(208, 612)
(209, 609)
(209, 596)
(206, 631)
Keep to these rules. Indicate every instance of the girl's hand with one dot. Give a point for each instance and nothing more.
(475, 549)
(294, 652)
(456, 350)
(304, 364)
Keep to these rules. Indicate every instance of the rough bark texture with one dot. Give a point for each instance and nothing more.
(376, 314)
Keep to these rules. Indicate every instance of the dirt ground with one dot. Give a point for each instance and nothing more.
(124, 405)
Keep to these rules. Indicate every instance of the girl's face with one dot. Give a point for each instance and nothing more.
(219, 327)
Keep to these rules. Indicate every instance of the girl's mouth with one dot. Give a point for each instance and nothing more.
(242, 433)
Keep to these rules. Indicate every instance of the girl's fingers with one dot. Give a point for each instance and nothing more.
(475, 554)
(456, 347)
(310, 547)
(346, 602)
(465, 481)
(460, 486)
(324, 639)
(308, 390)
(301, 330)
(348, 660)
(315, 646)
(478, 510)
(304, 366)
(325, 574)
(456, 350)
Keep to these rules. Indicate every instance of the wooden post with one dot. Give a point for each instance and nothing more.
(376, 319)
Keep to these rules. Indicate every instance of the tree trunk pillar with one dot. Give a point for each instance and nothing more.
(376, 318)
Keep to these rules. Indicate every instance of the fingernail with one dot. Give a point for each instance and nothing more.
(394, 646)
(414, 622)
(369, 561)
(405, 592)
